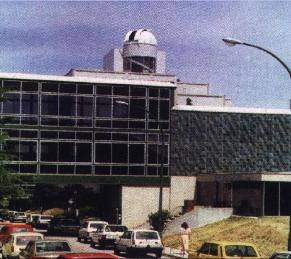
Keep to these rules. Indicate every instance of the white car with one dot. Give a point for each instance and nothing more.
(139, 242)
(17, 241)
(87, 228)
(19, 217)
(107, 235)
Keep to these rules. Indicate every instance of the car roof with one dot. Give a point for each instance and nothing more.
(27, 234)
(52, 240)
(17, 225)
(229, 243)
(96, 221)
(146, 230)
(87, 255)
(282, 252)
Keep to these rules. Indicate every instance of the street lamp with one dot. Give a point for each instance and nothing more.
(162, 164)
(232, 42)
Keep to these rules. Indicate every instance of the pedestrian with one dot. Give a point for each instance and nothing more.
(185, 237)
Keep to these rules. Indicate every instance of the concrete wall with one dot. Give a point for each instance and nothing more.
(202, 100)
(138, 202)
(182, 188)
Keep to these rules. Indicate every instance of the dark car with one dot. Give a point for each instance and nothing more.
(42, 249)
(66, 226)
(87, 256)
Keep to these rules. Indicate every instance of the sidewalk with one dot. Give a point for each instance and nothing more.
(173, 252)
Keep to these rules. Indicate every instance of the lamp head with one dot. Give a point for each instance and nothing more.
(231, 42)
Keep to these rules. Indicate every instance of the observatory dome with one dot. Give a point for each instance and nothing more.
(142, 36)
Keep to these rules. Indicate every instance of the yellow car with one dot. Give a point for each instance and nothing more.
(215, 249)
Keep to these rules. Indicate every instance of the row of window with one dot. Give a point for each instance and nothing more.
(104, 107)
(85, 135)
(72, 88)
(85, 123)
(88, 170)
(82, 152)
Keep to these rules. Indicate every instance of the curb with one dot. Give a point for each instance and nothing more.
(173, 252)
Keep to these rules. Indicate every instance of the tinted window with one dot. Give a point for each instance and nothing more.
(240, 250)
(117, 228)
(146, 235)
(23, 240)
(52, 247)
(204, 249)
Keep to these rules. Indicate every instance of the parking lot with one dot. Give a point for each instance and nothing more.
(83, 247)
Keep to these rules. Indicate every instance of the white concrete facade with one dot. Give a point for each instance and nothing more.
(138, 202)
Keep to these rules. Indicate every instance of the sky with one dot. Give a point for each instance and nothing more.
(53, 37)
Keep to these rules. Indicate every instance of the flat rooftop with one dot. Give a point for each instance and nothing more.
(99, 78)
(230, 109)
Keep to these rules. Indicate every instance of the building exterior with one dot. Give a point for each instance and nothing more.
(241, 157)
(120, 129)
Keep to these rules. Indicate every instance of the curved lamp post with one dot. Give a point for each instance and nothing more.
(162, 165)
(232, 42)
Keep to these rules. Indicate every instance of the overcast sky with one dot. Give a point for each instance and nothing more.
(53, 37)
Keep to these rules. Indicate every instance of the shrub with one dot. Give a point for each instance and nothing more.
(154, 220)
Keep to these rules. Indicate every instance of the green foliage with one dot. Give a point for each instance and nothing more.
(154, 220)
(10, 183)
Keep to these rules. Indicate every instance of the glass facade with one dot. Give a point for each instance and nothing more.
(79, 128)
(217, 142)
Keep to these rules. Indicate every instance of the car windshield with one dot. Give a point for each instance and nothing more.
(98, 226)
(23, 240)
(117, 228)
(240, 250)
(19, 214)
(45, 217)
(21, 229)
(146, 235)
(56, 246)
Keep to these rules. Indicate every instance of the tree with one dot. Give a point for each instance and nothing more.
(154, 220)
(11, 184)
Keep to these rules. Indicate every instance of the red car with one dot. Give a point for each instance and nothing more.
(11, 228)
(87, 256)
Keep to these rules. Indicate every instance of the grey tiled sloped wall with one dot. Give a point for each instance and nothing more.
(217, 142)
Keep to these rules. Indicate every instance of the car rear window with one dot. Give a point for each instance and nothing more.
(21, 229)
(23, 240)
(52, 247)
(240, 250)
(97, 225)
(146, 235)
(117, 228)
(45, 217)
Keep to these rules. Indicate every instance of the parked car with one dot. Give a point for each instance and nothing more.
(42, 222)
(19, 217)
(30, 218)
(87, 256)
(227, 250)
(139, 241)
(87, 228)
(65, 226)
(11, 228)
(106, 235)
(43, 249)
(281, 255)
(17, 241)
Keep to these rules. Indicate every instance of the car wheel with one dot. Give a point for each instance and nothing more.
(116, 251)
(79, 239)
(159, 255)
(92, 244)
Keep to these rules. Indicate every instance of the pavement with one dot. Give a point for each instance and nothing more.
(173, 252)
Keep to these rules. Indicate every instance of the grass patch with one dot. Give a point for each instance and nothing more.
(268, 234)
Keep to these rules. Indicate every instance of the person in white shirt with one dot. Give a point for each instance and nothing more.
(185, 233)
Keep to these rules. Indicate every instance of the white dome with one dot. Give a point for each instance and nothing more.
(141, 36)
